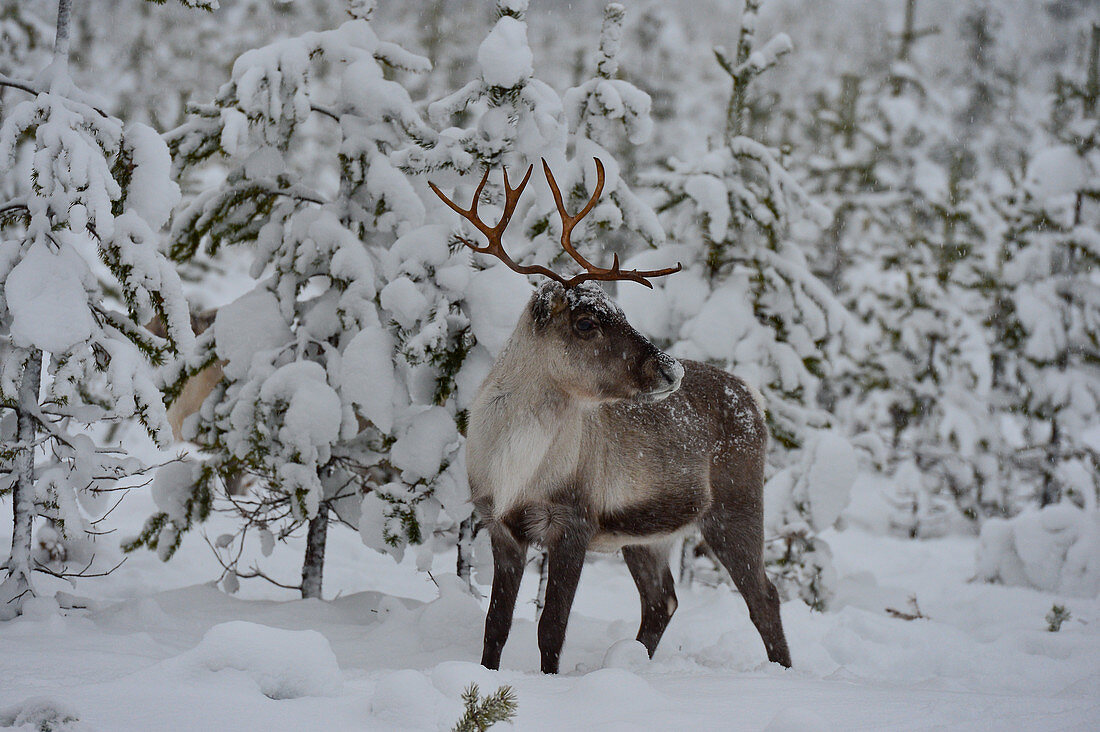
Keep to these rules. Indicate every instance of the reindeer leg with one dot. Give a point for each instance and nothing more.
(649, 568)
(737, 538)
(566, 550)
(509, 556)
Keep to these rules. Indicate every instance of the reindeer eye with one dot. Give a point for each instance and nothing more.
(585, 325)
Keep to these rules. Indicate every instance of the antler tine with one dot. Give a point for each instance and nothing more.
(471, 214)
(511, 196)
(616, 274)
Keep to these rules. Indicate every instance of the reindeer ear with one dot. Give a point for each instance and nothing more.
(547, 302)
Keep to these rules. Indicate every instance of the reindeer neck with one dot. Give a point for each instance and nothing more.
(522, 387)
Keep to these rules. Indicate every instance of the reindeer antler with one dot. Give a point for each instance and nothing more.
(494, 234)
(592, 272)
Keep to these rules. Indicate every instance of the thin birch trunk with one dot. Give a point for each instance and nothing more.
(687, 559)
(465, 561)
(61, 40)
(314, 564)
(544, 576)
(17, 586)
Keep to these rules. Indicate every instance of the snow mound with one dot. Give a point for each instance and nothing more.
(627, 653)
(614, 686)
(797, 720)
(453, 677)
(285, 664)
(41, 713)
(1056, 171)
(313, 412)
(367, 375)
(247, 326)
(1056, 549)
(504, 56)
(419, 452)
(407, 700)
(448, 628)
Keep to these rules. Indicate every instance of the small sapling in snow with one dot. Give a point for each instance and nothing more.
(1058, 614)
(481, 714)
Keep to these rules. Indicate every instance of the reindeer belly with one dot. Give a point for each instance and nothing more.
(653, 519)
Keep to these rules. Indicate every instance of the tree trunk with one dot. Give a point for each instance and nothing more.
(61, 40)
(544, 576)
(17, 585)
(687, 559)
(1051, 491)
(1092, 84)
(465, 563)
(314, 564)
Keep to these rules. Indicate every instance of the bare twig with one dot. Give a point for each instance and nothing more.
(915, 615)
(67, 576)
(325, 111)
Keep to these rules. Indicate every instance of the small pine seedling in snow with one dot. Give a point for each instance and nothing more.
(481, 714)
(1057, 615)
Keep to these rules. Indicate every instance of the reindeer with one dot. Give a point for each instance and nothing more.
(585, 436)
(199, 386)
(196, 389)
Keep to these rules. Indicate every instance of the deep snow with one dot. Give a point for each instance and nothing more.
(160, 647)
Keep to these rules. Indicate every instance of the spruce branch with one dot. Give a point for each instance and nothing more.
(481, 714)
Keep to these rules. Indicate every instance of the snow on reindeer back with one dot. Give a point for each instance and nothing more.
(47, 299)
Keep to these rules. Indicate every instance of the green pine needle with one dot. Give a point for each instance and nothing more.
(481, 714)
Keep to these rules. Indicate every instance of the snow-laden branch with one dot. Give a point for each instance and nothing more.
(19, 84)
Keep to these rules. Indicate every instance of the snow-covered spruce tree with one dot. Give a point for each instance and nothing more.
(339, 364)
(904, 254)
(748, 301)
(993, 123)
(662, 55)
(1048, 300)
(160, 54)
(80, 274)
(511, 119)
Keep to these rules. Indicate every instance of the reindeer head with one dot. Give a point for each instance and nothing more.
(582, 337)
(592, 351)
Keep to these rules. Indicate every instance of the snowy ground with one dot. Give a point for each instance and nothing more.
(160, 648)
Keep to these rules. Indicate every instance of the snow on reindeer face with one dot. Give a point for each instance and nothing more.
(595, 352)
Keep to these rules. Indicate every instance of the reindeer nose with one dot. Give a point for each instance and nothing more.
(663, 368)
(673, 371)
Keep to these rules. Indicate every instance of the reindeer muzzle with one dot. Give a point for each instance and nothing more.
(670, 374)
